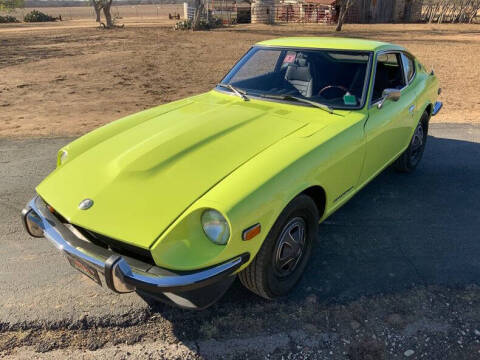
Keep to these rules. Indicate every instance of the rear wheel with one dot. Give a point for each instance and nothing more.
(408, 161)
(281, 260)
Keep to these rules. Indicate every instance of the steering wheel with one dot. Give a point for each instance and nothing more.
(343, 88)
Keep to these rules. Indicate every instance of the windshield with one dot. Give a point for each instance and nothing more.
(333, 78)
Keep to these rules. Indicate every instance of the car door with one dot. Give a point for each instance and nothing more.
(387, 127)
(410, 96)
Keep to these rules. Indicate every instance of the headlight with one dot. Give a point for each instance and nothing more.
(215, 226)
(62, 157)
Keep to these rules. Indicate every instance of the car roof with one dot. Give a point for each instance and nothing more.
(336, 43)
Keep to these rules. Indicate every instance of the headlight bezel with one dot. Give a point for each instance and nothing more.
(215, 226)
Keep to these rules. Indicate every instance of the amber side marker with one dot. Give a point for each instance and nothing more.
(251, 232)
(51, 209)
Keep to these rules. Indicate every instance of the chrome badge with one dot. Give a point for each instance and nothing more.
(85, 204)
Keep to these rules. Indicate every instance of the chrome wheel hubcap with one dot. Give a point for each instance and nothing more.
(290, 247)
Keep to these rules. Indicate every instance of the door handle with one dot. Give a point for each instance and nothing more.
(411, 108)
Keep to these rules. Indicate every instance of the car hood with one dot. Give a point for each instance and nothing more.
(142, 177)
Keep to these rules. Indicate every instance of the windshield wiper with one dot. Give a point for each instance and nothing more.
(299, 99)
(236, 91)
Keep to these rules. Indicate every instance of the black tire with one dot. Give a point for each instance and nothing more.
(265, 275)
(409, 160)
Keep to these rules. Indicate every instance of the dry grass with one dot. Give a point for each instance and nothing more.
(71, 77)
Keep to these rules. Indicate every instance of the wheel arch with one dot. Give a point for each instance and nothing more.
(319, 196)
(429, 109)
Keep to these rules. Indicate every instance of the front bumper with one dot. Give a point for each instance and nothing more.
(123, 274)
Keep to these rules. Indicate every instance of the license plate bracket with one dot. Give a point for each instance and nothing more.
(84, 268)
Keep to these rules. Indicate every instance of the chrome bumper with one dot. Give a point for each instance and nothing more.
(120, 273)
(436, 108)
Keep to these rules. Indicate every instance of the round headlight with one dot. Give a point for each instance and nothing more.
(62, 157)
(215, 227)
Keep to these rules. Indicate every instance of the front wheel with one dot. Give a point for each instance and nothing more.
(281, 260)
(408, 161)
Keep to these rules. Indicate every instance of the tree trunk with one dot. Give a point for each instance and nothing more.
(108, 15)
(198, 14)
(97, 6)
(344, 6)
(97, 12)
(341, 17)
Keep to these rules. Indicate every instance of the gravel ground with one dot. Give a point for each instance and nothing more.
(422, 323)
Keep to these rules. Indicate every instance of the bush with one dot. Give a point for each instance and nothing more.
(203, 25)
(37, 16)
(8, 19)
(183, 25)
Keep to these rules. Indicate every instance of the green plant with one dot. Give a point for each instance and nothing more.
(183, 25)
(212, 23)
(38, 16)
(8, 19)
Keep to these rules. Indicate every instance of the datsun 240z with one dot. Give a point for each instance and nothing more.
(175, 201)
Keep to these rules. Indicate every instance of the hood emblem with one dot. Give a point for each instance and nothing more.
(85, 204)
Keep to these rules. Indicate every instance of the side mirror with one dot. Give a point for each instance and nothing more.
(389, 94)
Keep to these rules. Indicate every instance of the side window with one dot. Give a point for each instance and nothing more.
(409, 66)
(389, 74)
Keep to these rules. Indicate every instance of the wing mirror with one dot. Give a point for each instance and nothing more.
(389, 94)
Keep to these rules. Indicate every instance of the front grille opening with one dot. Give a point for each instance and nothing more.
(109, 243)
(122, 248)
(117, 246)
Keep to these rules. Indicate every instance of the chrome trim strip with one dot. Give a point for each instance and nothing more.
(437, 107)
(408, 55)
(129, 272)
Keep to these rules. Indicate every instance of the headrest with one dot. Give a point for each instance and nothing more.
(301, 61)
(296, 72)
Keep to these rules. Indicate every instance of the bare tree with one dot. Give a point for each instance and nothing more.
(344, 5)
(105, 5)
(98, 10)
(199, 9)
(454, 11)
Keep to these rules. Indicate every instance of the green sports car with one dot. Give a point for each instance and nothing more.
(174, 201)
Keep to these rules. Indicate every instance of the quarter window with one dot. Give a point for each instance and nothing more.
(409, 66)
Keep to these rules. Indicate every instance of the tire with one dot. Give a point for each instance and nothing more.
(410, 158)
(281, 260)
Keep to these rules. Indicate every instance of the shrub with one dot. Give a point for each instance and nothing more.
(8, 19)
(183, 25)
(37, 16)
(203, 25)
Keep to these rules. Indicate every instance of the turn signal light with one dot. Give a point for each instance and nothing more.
(251, 232)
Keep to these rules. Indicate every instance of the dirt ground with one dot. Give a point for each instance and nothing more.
(149, 11)
(438, 323)
(68, 78)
